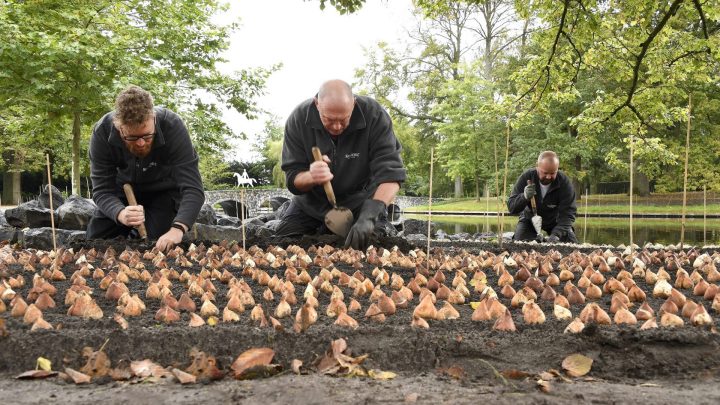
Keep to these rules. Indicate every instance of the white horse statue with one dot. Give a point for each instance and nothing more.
(243, 179)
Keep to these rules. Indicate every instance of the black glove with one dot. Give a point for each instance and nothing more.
(529, 191)
(360, 232)
(553, 239)
(540, 238)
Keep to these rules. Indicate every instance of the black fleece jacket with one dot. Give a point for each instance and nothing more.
(172, 165)
(557, 209)
(365, 155)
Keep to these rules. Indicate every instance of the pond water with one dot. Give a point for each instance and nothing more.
(612, 231)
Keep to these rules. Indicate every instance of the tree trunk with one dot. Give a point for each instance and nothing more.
(477, 188)
(641, 184)
(458, 187)
(577, 185)
(75, 176)
(11, 179)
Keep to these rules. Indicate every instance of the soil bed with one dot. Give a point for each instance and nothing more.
(680, 364)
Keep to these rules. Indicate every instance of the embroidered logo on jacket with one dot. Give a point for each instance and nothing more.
(150, 166)
(352, 155)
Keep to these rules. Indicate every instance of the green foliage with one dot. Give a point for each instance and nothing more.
(63, 63)
(269, 145)
(343, 6)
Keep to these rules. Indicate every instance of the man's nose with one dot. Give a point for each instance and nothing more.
(140, 142)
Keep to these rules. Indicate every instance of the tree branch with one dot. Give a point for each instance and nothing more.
(698, 6)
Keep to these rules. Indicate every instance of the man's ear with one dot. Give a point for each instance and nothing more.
(316, 101)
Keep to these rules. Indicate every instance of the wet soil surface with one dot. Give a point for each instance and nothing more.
(664, 365)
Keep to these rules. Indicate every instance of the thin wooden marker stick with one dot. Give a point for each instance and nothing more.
(632, 141)
(704, 215)
(487, 208)
(242, 214)
(687, 158)
(52, 212)
(586, 214)
(432, 164)
(504, 199)
(497, 188)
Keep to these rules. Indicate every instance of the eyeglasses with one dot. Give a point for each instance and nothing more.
(135, 138)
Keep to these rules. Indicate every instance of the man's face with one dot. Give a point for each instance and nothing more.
(547, 171)
(138, 139)
(335, 116)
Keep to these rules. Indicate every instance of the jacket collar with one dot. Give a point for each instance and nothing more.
(115, 139)
(357, 119)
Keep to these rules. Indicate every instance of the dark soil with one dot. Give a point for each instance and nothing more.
(680, 364)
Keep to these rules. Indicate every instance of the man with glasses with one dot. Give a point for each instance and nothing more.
(149, 148)
(361, 159)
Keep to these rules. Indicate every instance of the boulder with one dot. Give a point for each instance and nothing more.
(417, 239)
(207, 215)
(459, 236)
(417, 226)
(41, 238)
(29, 215)
(280, 211)
(228, 221)
(277, 202)
(44, 198)
(76, 213)
(8, 233)
(217, 233)
(232, 208)
(3, 221)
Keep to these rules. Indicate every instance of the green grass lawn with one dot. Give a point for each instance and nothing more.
(644, 208)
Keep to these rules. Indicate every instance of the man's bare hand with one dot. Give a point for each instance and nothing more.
(320, 171)
(132, 215)
(169, 239)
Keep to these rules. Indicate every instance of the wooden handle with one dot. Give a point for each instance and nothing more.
(533, 204)
(130, 195)
(328, 187)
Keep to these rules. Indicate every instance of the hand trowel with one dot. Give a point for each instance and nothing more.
(338, 219)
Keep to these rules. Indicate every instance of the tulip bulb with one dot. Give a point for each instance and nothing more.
(562, 313)
(576, 326)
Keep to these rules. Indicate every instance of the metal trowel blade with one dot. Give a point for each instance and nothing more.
(339, 221)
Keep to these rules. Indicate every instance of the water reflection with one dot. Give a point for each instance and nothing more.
(602, 231)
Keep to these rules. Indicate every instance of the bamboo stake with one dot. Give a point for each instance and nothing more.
(687, 158)
(504, 200)
(52, 211)
(487, 208)
(497, 187)
(432, 164)
(586, 215)
(631, 191)
(242, 214)
(704, 215)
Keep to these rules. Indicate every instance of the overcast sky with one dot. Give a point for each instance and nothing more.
(313, 46)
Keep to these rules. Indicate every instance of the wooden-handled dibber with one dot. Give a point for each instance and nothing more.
(339, 220)
(130, 195)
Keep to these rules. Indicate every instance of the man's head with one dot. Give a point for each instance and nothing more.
(547, 166)
(135, 119)
(335, 103)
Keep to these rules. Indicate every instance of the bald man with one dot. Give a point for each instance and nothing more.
(555, 200)
(361, 158)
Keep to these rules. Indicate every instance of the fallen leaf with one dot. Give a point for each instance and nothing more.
(77, 377)
(411, 398)
(577, 365)
(36, 374)
(147, 368)
(212, 321)
(43, 364)
(514, 374)
(121, 373)
(543, 386)
(183, 377)
(474, 304)
(98, 363)
(254, 357)
(455, 372)
(295, 365)
(547, 376)
(381, 375)
(204, 366)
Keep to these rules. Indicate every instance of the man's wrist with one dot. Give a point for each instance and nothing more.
(180, 226)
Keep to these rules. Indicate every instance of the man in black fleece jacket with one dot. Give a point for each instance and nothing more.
(149, 148)
(361, 158)
(555, 198)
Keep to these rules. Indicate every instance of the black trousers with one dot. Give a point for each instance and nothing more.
(296, 222)
(526, 231)
(160, 210)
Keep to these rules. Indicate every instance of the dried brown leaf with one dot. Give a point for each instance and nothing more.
(76, 376)
(295, 365)
(147, 368)
(98, 363)
(36, 375)
(254, 357)
(183, 377)
(577, 365)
